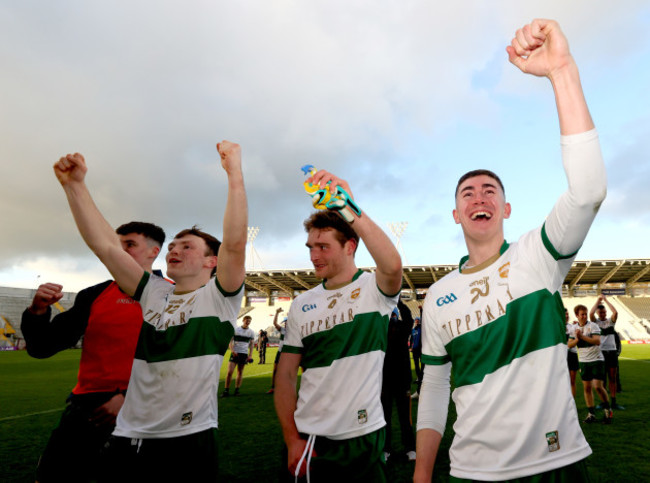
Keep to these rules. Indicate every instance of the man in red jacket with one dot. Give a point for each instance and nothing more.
(110, 322)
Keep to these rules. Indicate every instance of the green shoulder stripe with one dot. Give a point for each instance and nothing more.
(200, 336)
(532, 322)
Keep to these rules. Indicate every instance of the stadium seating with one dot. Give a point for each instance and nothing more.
(640, 306)
(13, 301)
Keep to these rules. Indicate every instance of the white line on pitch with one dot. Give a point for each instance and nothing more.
(20, 416)
(631, 359)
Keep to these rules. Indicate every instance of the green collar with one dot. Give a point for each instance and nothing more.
(486, 263)
(356, 275)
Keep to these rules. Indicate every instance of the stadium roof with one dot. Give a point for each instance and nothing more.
(591, 272)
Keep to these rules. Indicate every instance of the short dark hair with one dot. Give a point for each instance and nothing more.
(149, 230)
(479, 172)
(601, 306)
(211, 242)
(329, 220)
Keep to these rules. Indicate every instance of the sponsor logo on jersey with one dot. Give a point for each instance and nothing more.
(504, 270)
(447, 299)
(362, 416)
(332, 304)
(481, 288)
(553, 441)
(355, 294)
(483, 313)
(326, 323)
(177, 312)
(186, 419)
(308, 307)
(337, 294)
(125, 300)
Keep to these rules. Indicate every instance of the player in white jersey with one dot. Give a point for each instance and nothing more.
(607, 343)
(337, 332)
(241, 350)
(587, 339)
(170, 410)
(498, 320)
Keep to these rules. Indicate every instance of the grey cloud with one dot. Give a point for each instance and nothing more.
(146, 89)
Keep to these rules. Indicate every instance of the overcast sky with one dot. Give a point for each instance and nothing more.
(398, 97)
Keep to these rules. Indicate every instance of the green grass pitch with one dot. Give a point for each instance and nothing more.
(33, 394)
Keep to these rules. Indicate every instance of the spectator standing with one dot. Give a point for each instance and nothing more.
(241, 351)
(396, 382)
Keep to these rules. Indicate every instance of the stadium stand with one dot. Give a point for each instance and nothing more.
(639, 306)
(13, 301)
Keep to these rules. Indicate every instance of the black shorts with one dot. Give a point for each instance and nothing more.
(572, 361)
(611, 359)
(239, 358)
(193, 457)
(592, 370)
(75, 445)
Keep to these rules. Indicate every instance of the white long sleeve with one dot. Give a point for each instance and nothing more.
(434, 398)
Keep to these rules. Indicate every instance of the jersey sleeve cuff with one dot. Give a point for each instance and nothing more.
(551, 249)
(435, 360)
(291, 349)
(224, 292)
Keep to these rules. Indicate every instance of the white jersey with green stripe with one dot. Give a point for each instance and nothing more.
(341, 335)
(501, 324)
(175, 375)
(242, 340)
(607, 339)
(589, 352)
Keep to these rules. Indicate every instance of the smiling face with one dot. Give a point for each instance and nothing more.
(481, 208)
(329, 256)
(188, 257)
(582, 317)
